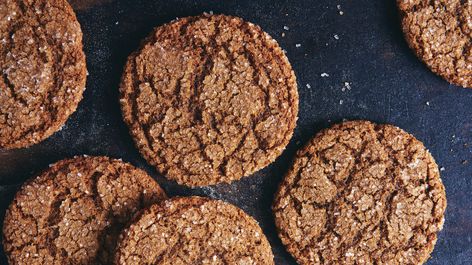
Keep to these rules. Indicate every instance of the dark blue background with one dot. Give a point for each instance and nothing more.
(388, 85)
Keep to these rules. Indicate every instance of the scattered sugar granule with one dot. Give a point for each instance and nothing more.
(286, 28)
(340, 11)
(341, 102)
(427, 103)
(324, 75)
(442, 169)
(298, 45)
(347, 86)
(308, 85)
(336, 36)
(117, 22)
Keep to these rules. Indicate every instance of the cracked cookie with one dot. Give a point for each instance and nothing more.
(43, 69)
(361, 193)
(209, 99)
(193, 230)
(440, 33)
(73, 212)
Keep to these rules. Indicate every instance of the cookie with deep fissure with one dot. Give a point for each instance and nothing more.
(74, 211)
(209, 99)
(43, 69)
(362, 193)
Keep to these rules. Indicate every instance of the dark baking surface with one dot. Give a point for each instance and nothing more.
(388, 85)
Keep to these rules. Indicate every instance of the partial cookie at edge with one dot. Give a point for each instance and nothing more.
(73, 212)
(193, 230)
(43, 69)
(440, 33)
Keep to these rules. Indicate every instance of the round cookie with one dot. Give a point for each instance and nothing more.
(193, 230)
(43, 69)
(74, 212)
(209, 99)
(361, 193)
(440, 33)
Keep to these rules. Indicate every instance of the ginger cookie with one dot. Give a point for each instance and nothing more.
(209, 99)
(43, 69)
(361, 193)
(193, 230)
(440, 33)
(74, 212)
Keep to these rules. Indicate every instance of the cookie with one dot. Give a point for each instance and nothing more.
(193, 230)
(43, 69)
(361, 193)
(209, 99)
(74, 212)
(440, 33)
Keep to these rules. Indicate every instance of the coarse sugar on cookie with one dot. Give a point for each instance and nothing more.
(440, 33)
(209, 99)
(74, 211)
(193, 230)
(43, 69)
(361, 193)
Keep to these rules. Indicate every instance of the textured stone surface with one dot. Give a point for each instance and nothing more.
(388, 85)
(361, 192)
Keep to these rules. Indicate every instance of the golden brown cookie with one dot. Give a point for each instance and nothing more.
(209, 99)
(440, 33)
(361, 193)
(193, 230)
(74, 212)
(43, 69)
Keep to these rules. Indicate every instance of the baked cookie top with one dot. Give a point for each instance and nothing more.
(440, 33)
(193, 230)
(74, 211)
(361, 192)
(209, 99)
(43, 69)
